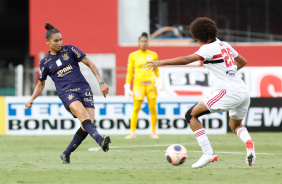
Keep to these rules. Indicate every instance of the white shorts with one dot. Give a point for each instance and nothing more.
(237, 103)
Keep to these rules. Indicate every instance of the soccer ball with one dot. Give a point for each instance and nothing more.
(176, 154)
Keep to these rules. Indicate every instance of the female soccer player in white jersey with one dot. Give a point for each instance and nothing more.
(229, 90)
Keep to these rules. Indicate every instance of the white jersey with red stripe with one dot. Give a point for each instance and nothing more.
(221, 67)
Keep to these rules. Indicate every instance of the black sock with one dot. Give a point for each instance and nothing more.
(79, 136)
(91, 130)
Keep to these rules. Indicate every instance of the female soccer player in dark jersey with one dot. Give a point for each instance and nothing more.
(61, 64)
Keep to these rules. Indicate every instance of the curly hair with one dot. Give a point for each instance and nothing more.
(203, 29)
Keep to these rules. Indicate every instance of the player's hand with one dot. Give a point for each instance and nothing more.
(153, 64)
(127, 91)
(29, 104)
(104, 89)
(159, 84)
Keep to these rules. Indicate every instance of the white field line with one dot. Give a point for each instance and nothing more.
(160, 145)
(138, 146)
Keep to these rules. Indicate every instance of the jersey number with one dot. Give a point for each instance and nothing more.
(228, 58)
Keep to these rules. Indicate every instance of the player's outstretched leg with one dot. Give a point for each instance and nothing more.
(105, 143)
(65, 158)
(205, 160)
(79, 136)
(251, 155)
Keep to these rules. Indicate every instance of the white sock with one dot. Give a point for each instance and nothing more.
(243, 134)
(203, 141)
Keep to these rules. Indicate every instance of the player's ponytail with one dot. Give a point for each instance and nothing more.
(144, 34)
(50, 30)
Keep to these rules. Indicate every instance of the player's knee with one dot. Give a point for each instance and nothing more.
(188, 115)
(136, 109)
(80, 113)
(85, 123)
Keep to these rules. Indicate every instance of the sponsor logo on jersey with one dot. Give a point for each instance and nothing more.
(230, 73)
(70, 97)
(40, 72)
(78, 54)
(88, 93)
(65, 71)
(74, 89)
(88, 99)
(144, 67)
(59, 62)
(47, 60)
(65, 57)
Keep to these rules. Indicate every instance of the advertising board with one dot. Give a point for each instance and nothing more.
(112, 116)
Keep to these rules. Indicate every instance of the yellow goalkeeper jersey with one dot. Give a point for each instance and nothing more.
(136, 65)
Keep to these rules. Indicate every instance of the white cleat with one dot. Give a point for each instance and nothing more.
(205, 160)
(130, 136)
(251, 155)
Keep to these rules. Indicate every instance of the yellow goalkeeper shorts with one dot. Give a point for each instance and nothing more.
(144, 89)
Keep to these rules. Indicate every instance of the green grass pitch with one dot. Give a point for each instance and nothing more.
(35, 159)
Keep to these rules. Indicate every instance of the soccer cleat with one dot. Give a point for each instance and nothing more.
(155, 135)
(105, 143)
(65, 158)
(130, 136)
(204, 160)
(251, 155)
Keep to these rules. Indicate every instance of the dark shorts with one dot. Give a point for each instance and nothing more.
(85, 97)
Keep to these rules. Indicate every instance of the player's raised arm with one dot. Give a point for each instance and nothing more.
(103, 86)
(37, 91)
(175, 61)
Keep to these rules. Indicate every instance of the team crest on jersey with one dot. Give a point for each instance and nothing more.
(149, 57)
(70, 97)
(65, 56)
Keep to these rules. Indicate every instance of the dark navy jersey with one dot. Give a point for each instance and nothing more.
(64, 69)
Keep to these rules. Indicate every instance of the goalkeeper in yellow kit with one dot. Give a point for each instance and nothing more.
(144, 84)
